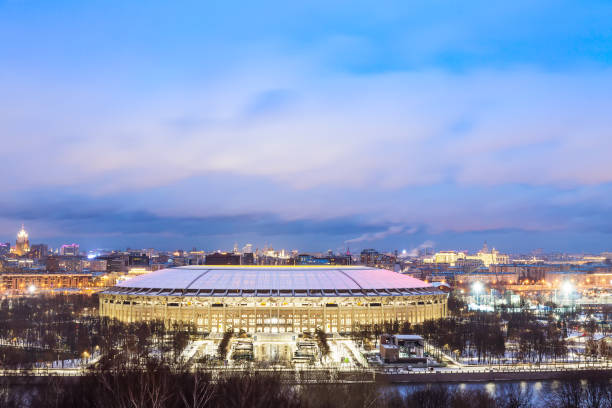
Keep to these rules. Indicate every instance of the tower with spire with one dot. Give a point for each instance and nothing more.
(22, 246)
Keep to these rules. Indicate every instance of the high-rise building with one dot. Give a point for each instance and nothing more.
(39, 251)
(118, 263)
(22, 246)
(5, 248)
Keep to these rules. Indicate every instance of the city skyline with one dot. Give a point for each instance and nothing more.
(360, 244)
(307, 126)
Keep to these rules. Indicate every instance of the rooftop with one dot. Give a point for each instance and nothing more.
(306, 280)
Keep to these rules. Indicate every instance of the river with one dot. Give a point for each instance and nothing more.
(538, 390)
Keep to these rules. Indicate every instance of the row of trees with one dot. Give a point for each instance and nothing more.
(481, 336)
(161, 386)
(48, 322)
(69, 325)
(487, 337)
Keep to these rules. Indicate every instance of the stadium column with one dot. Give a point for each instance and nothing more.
(255, 313)
(166, 311)
(293, 329)
(209, 317)
(352, 305)
(224, 325)
(193, 313)
(278, 317)
(238, 310)
(269, 304)
(325, 325)
(386, 311)
(395, 311)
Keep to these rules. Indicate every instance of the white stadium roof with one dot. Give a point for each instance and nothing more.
(214, 280)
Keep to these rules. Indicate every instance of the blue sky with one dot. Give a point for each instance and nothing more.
(312, 126)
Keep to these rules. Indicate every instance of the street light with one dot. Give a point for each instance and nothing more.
(567, 288)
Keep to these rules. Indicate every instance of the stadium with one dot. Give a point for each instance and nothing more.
(274, 299)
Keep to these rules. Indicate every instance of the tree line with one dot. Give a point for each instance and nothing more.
(161, 386)
(63, 326)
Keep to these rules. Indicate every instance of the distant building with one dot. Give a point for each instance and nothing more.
(522, 272)
(248, 258)
(138, 261)
(116, 262)
(31, 282)
(196, 257)
(70, 264)
(491, 257)
(486, 257)
(95, 265)
(52, 264)
(22, 246)
(176, 261)
(446, 257)
(372, 257)
(69, 250)
(308, 259)
(219, 258)
(5, 248)
(39, 251)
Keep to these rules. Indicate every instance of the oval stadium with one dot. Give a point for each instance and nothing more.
(274, 299)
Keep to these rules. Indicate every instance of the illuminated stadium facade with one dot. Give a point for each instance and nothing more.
(264, 299)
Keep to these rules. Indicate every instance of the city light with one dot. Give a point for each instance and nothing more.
(31, 289)
(567, 288)
(477, 287)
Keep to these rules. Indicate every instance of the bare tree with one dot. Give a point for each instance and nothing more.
(201, 392)
(568, 394)
(597, 393)
(515, 396)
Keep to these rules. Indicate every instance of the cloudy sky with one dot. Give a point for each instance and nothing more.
(315, 126)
